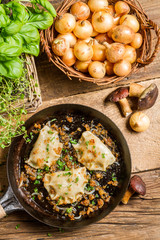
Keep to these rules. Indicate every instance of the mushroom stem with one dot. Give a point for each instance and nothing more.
(128, 194)
(125, 107)
(135, 90)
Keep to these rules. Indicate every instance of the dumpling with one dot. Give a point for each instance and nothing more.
(93, 153)
(47, 149)
(66, 187)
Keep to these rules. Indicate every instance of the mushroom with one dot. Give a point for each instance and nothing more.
(147, 96)
(136, 186)
(120, 95)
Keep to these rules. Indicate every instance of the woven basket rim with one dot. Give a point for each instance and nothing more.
(33, 99)
(147, 53)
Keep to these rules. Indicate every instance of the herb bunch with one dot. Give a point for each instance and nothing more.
(12, 92)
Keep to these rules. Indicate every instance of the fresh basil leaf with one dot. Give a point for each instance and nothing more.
(29, 33)
(47, 5)
(14, 40)
(2, 11)
(41, 20)
(32, 48)
(8, 51)
(12, 68)
(13, 28)
(1, 39)
(19, 12)
(4, 20)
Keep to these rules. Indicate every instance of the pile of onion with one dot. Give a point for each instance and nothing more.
(98, 38)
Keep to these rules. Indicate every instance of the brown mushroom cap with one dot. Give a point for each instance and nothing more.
(137, 184)
(118, 94)
(148, 97)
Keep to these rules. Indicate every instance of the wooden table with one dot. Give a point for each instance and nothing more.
(140, 219)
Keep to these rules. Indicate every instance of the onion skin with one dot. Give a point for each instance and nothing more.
(122, 7)
(99, 52)
(130, 54)
(82, 66)
(83, 29)
(69, 58)
(59, 46)
(114, 52)
(139, 122)
(102, 21)
(109, 68)
(65, 23)
(70, 38)
(122, 68)
(97, 5)
(130, 21)
(123, 34)
(137, 41)
(80, 10)
(97, 69)
(103, 37)
(83, 51)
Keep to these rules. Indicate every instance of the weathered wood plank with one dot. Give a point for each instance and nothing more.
(139, 219)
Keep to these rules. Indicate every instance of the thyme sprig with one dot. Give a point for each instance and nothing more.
(12, 94)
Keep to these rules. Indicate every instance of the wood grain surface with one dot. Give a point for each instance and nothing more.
(140, 219)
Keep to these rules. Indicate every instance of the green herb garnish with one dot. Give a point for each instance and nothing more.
(46, 168)
(59, 200)
(69, 210)
(93, 202)
(36, 190)
(50, 132)
(73, 141)
(39, 177)
(77, 179)
(49, 234)
(59, 185)
(17, 226)
(47, 148)
(36, 182)
(60, 164)
(103, 155)
(67, 174)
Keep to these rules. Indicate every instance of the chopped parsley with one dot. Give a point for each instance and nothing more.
(70, 158)
(46, 168)
(66, 193)
(59, 200)
(67, 174)
(33, 197)
(47, 148)
(17, 226)
(114, 178)
(73, 141)
(49, 234)
(54, 119)
(66, 168)
(69, 210)
(94, 147)
(36, 190)
(103, 155)
(89, 188)
(77, 179)
(96, 195)
(87, 143)
(69, 185)
(59, 185)
(50, 132)
(39, 170)
(36, 182)
(93, 203)
(52, 139)
(59, 175)
(46, 160)
(60, 164)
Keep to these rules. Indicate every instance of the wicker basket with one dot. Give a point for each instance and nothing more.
(32, 99)
(146, 54)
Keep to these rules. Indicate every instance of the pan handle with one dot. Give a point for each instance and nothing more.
(8, 203)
